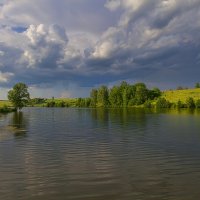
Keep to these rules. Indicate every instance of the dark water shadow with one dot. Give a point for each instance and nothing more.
(19, 124)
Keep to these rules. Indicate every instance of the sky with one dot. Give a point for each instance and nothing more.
(64, 48)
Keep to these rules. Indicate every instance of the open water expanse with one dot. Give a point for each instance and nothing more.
(97, 154)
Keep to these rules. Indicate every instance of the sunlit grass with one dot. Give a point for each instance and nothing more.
(175, 95)
(5, 103)
(68, 101)
(6, 107)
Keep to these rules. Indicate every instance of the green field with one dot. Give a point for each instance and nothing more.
(67, 101)
(6, 107)
(175, 95)
(5, 103)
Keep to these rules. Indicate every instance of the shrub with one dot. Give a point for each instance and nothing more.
(180, 104)
(197, 104)
(190, 103)
(51, 104)
(163, 103)
(132, 102)
(148, 104)
(60, 104)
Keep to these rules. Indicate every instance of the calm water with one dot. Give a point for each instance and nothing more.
(89, 154)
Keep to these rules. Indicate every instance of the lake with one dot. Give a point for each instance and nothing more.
(100, 154)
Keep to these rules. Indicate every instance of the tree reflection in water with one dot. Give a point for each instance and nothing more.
(19, 124)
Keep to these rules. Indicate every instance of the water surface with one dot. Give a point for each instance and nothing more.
(97, 154)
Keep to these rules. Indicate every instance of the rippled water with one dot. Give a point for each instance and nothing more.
(89, 154)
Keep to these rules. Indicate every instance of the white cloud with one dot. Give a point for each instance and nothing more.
(46, 43)
(74, 15)
(4, 77)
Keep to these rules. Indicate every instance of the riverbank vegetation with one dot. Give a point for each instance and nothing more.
(6, 107)
(129, 95)
(18, 98)
(122, 95)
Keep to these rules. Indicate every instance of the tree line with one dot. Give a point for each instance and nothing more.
(122, 95)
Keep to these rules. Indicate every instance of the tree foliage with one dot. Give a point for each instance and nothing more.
(19, 95)
(162, 103)
(197, 103)
(102, 96)
(115, 96)
(93, 97)
(190, 102)
(197, 85)
(123, 95)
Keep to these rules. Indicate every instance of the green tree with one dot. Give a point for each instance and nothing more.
(197, 85)
(102, 96)
(141, 93)
(148, 104)
(154, 93)
(131, 91)
(197, 103)
(60, 104)
(87, 102)
(162, 103)
(125, 97)
(123, 85)
(80, 102)
(19, 95)
(115, 97)
(190, 102)
(93, 96)
(50, 103)
(125, 94)
(180, 104)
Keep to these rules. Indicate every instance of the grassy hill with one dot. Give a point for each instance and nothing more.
(175, 95)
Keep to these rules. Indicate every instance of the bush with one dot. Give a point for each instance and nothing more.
(173, 105)
(132, 102)
(180, 104)
(163, 103)
(197, 104)
(148, 104)
(51, 104)
(190, 103)
(60, 104)
(153, 94)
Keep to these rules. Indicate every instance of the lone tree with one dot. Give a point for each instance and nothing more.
(19, 95)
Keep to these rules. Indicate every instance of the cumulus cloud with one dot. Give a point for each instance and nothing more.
(46, 45)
